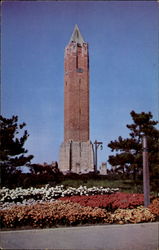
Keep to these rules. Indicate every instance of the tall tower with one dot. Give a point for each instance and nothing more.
(76, 89)
(76, 152)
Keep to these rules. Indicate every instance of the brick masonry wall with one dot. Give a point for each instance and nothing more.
(76, 93)
(76, 152)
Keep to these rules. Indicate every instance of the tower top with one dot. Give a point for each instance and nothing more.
(76, 36)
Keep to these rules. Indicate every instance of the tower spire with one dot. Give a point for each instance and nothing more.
(76, 36)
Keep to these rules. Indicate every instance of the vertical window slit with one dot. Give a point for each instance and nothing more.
(76, 61)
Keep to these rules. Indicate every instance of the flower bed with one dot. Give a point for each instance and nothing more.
(50, 214)
(72, 207)
(137, 215)
(154, 207)
(109, 202)
(29, 196)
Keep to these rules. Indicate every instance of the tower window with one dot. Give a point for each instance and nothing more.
(76, 61)
(79, 70)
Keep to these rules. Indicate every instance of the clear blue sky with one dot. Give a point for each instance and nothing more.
(123, 48)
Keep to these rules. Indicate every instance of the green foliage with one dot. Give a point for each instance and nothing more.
(129, 151)
(40, 169)
(12, 152)
(41, 174)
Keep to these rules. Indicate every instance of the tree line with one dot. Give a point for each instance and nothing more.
(126, 158)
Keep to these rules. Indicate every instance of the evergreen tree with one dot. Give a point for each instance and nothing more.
(12, 151)
(129, 151)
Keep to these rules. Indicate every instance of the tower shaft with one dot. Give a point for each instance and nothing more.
(76, 92)
(76, 152)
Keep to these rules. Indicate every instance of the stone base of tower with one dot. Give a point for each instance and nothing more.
(76, 157)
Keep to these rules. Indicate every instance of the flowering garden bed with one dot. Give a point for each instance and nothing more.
(95, 205)
(31, 195)
(109, 201)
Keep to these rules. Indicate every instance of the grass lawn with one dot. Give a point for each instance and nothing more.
(124, 185)
(128, 185)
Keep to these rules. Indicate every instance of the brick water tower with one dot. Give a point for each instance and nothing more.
(76, 152)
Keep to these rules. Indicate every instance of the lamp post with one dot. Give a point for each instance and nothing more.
(97, 144)
(146, 178)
